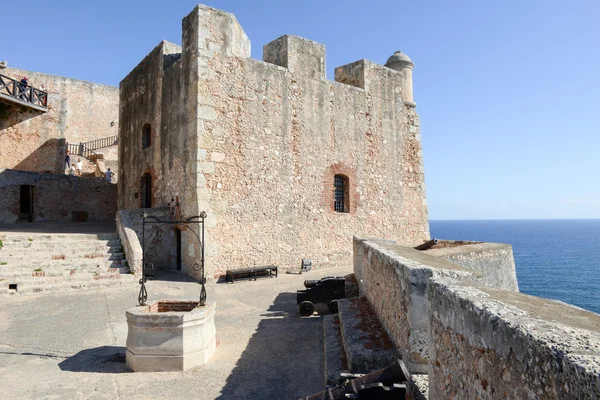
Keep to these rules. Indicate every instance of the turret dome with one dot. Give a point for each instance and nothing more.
(399, 60)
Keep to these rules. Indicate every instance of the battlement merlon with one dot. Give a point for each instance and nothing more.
(302, 57)
(208, 32)
(364, 73)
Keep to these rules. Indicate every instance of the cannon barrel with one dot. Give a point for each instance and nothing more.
(311, 283)
(388, 376)
(427, 245)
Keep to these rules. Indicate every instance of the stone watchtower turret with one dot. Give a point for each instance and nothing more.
(402, 63)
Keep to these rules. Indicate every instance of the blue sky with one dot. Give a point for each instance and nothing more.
(507, 91)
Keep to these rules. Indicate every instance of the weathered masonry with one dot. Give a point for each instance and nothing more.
(286, 163)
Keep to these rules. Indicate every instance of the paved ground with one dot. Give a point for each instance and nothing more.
(71, 345)
(67, 227)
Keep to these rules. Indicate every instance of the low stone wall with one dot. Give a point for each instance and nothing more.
(489, 344)
(57, 197)
(160, 239)
(394, 279)
(494, 260)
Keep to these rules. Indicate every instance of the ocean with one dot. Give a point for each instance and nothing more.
(555, 259)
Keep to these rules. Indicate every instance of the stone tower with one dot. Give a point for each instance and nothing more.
(286, 163)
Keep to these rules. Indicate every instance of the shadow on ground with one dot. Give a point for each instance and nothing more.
(283, 359)
(104, 359)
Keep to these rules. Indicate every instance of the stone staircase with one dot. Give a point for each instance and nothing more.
(37, 263)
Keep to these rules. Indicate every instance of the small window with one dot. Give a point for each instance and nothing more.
(341, 199)
(146, 136)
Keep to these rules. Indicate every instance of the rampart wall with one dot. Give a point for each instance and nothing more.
(474, 340)
(78, 111)
(256, 144)
(57, 197)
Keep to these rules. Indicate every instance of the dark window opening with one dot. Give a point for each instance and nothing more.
(146, 191)
(12, 286)
(26, 203)
(341, 199)
(146, 136)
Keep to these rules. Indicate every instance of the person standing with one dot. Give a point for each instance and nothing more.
(79, 167)
(109, 174)
(23, 88)
(67, 159)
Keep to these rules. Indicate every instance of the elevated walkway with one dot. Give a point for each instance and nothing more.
(14, 92)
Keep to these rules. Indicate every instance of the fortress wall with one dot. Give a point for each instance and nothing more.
(494, 260)
(488, 343)
(78, 111)
(56, 197)
(472, 339)
(395, 280)
(274, 140)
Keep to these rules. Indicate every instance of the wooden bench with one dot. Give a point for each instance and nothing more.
(250, 273)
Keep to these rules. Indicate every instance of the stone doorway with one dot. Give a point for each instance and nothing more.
(146, 191)
(178, 248)
(26, 203)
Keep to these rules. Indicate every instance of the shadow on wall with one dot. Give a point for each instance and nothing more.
(283, 359)
(48, 158)
(12, 114)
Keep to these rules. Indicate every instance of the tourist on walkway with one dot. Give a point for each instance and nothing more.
(109, 174)
(67, 159)
(79, 167)
(23, 88)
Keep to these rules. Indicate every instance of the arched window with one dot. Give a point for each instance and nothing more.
(146, 191)
(341, 198)
(146, 136)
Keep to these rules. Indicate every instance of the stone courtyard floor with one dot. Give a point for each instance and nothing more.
(72, 345)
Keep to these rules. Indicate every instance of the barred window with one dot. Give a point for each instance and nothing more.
(146, 136)
(341, 200)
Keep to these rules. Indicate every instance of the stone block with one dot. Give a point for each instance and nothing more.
(300, 56)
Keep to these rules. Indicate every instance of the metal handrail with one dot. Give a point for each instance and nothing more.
(81, 150)
(22, 92)
(101, 143)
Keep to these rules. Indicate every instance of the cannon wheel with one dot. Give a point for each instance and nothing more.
(333, 306)
(306, 308)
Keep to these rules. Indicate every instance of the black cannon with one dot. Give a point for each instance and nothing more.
(327, 290)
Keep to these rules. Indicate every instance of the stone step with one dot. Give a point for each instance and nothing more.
(62, 237)
(125, 280)
(333, 348)
(62, 264)
(52, 280)
(29, 272)
(23, 258)
(84, 249)
(366, 343)
(44, 245)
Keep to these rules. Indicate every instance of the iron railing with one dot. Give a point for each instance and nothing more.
(101, 143)
(22, 92)
(81, 150)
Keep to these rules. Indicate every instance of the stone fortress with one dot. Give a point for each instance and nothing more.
(286, 163)
(289, 165)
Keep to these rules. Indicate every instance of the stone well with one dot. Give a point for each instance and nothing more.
(170, 335)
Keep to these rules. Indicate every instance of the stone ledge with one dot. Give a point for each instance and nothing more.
(367, 345)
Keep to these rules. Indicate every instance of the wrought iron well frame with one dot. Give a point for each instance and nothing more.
(188, 222)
